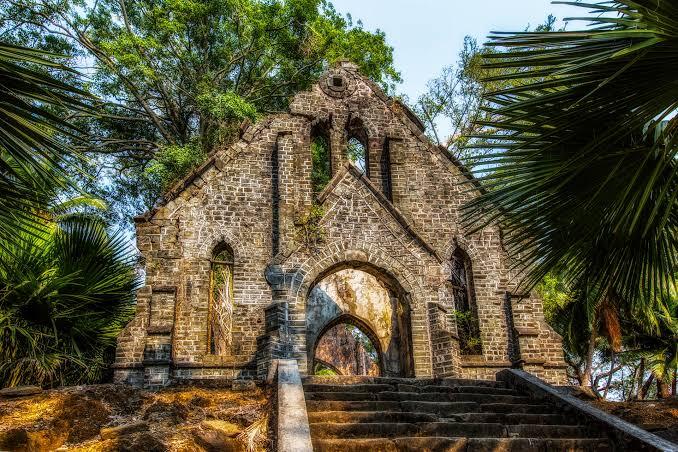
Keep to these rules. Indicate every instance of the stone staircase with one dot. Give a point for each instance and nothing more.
(399, 414)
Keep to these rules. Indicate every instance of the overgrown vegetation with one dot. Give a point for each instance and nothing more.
(178, 77)
(64, 297)
(579, 164)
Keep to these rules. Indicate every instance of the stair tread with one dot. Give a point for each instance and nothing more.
(441, 443)
(466, 429)
(416, 396)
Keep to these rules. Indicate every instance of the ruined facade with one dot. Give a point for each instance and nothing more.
(235, 251)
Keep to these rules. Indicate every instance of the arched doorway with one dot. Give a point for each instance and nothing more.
(347, 347)
(369, 302)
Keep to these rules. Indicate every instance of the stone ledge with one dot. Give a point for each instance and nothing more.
(294, 433)
(164, 289)
(222, 365)
(624, 435)
(527, 331)
(159, 330)
(481, 362)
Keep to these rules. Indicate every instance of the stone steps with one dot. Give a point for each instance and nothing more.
(443, 444)
(467, 429)
(417, 397)
(361, 379)
(384, 414)
(414, 417)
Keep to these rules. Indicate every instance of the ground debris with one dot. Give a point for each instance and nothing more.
(180, 418)
(657, 416)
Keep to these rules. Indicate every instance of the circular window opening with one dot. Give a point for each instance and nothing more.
(345, 349)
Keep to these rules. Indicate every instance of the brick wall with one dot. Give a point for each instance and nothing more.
(400, 221)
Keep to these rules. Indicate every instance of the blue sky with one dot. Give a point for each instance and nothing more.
(427, 34)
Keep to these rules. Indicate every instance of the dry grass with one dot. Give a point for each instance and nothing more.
(183, 418)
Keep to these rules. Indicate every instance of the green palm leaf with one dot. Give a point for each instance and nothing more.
(580, 178)
(33, 156)
(65, 295)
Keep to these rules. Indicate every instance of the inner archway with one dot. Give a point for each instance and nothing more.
(345, 349)
(358, 307)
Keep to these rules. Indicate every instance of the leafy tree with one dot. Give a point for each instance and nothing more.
(181, 75)
(454, 100)
(64, 297)
(586, 183)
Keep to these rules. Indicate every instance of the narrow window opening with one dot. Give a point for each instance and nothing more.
(357, 154)
(321, 171)
(465, 312)
(337, 82)
(356, 145)
(221, 301)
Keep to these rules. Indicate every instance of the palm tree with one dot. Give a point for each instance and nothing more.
(582, 179)
(65, 294)
(33, 155)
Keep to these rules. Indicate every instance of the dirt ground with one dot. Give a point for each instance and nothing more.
(179, 418)
(657, 416)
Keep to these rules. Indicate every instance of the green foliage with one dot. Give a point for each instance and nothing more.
(171, 163)
(321, 172)
(467, 328)
(179, 72)
(309, 233)
(320, 369)
(585, 186)
(454, 99)
(555, 295)
(33, 155)
(355, 151)
(64, 297)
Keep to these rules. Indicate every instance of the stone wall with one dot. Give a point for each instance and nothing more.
(398, 222)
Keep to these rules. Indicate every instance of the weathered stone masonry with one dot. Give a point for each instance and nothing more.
(399, 221)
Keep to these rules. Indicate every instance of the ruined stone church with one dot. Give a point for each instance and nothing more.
(338, 212)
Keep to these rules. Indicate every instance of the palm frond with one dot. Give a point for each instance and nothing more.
(579, 178)
(33, 135)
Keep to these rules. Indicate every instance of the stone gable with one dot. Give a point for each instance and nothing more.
(399, 222)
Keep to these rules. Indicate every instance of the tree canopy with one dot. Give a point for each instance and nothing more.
(177, 77)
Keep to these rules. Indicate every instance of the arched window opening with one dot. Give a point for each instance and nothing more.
(346, 350)
(356, 153)
(221, 301)
(465, 310)
(356, 145)
(321, 159)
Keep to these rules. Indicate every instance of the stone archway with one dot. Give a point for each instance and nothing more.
(348, 346)
(370, 298)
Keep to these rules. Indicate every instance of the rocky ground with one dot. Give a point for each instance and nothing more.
(657, 416)
(114, 417)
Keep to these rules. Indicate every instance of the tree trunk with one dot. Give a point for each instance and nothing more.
(675, 381)
(646, 387)
(663, 390)
(586, 377)
(609, 377)
(641, 377)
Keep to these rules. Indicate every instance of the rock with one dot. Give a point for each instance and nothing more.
(227, 428)
(20, 391)
(215, 441)
(243, 385)
(141, 442)
(122, 430)
(80, 417)
(22, 439)
(172, 413)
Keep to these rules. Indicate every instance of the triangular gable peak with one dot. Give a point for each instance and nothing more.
(350, 170)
